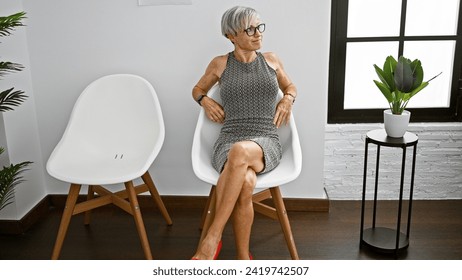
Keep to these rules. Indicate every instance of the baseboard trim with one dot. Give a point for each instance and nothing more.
(171, 202)
(33, 216)
(195, 202)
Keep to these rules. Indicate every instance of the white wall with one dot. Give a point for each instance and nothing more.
(71, 43)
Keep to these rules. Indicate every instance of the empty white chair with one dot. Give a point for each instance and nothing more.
(114, 134)
(288, 170)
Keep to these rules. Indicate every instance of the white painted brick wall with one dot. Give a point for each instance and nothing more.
(438, 165)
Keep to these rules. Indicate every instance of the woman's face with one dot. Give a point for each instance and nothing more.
(248, 42)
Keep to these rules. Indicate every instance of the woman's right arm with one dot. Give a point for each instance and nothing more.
(213, 110)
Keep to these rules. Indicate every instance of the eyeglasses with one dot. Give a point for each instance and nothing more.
(251, 30)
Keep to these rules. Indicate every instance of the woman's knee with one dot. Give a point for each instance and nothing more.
(238, 155)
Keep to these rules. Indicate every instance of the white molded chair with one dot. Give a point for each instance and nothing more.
(288, 170)
(115, 132)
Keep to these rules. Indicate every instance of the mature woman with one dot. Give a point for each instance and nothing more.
(248, 143)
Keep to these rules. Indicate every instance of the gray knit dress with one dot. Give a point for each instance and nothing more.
(249, 94)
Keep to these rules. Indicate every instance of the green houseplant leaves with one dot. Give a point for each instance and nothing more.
(10, 176)
(400, 81)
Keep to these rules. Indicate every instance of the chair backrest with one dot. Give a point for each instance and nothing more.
(115, 116)
(207, 132)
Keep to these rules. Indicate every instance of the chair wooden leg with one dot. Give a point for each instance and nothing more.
(90, 196)
(209, 213)
(284, 220)
(157, 199)
(138, 219)
(65, 220)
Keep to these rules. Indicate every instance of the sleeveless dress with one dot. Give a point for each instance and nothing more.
(249, 93)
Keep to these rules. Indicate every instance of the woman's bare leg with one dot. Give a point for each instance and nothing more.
(242, 156)
(243, 215)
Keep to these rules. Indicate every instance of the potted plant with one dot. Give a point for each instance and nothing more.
(10, 176)
(399, 82)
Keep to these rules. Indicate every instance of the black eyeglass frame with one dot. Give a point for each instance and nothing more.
(253, 30)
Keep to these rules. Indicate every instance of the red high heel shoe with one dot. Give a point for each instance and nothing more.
(250, 256)
(217, 252)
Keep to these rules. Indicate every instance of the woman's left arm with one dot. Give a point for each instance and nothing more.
(284, 107)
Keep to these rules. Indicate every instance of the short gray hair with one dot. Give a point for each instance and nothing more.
(237, 19)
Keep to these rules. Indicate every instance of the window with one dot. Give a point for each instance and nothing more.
(365, 32)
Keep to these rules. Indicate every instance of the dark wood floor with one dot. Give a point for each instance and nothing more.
(436, 234)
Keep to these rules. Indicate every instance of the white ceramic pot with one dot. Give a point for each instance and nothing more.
(396, 125)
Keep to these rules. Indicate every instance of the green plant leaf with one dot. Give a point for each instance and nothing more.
(9, 23)
(417, 73)
(8, 67)
(434, 77)
(10, 177)
(403, 77)
(386, 74)
(385, 91)
(389, 69)
(10, 99)
(406, 97)
(382, 76)
(396, 105)
(419, 88)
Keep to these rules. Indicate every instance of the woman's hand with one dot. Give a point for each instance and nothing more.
(213, 110)
(283, 110)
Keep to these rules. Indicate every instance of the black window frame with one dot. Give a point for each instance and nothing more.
(337, 114)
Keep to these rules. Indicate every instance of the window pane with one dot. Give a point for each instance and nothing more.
(432, 17)
(438, 92)
(360, 90)
(373, 18)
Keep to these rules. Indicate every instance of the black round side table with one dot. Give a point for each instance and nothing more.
(382, 239)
